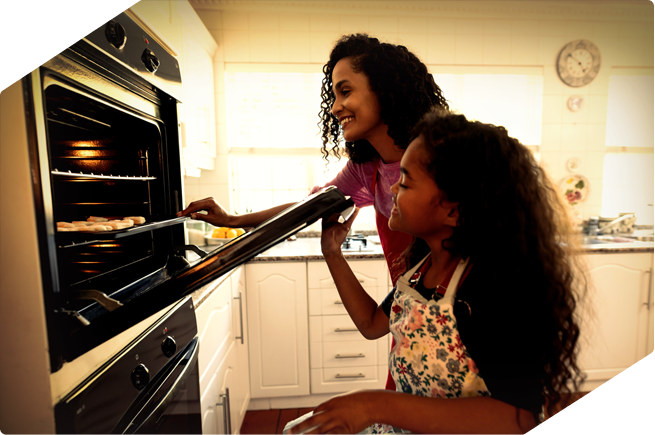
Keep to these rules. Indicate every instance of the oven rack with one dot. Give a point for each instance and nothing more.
(101, 176)
(77, 238)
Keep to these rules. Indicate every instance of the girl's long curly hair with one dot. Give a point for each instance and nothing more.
(402, 83)
(513, 223)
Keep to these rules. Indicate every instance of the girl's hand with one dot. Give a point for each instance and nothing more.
(348, 413)
(333, 233)
(216, 215)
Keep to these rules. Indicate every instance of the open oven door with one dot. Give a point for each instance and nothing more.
(180, 278)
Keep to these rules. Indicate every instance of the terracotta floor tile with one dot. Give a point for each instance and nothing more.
(261, 422)
(638, 398)
(612, 404)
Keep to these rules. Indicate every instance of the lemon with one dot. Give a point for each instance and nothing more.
(219, 235)
(230, 234)
(240, 231)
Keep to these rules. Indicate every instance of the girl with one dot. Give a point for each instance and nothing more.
(373, 93)
(485, 313)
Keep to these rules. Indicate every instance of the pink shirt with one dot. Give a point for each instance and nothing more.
(354, 180)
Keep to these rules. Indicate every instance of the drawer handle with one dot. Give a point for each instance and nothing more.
(354, 355)
(346, 330)
(360, 375)
(338, 303)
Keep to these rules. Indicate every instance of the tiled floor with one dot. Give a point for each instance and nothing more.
(600, 404)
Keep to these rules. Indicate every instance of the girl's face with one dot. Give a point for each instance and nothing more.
(356, 106)
(420, 208)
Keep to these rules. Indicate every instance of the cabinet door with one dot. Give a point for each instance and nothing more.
(650, 334)
(215, 329)
(615, 318)
(218, 414)
(240, 395)
(278, 331)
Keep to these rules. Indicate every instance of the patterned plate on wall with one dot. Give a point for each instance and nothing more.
(575, 189)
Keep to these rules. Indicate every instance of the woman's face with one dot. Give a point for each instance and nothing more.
(356, 106)
(419, 205)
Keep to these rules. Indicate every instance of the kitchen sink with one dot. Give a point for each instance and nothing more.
(645, 238)
(614, 239)
(597, 240)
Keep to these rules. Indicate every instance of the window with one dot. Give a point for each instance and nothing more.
(505, 96)
(274, 137)
(628, 171)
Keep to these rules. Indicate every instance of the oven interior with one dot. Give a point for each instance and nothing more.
(107, 161)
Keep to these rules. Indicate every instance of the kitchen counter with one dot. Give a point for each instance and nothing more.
(304, 249)
(309, 248)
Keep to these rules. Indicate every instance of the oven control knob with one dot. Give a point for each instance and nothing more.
(150, 60)
(168, 346)
(140, 376)
(115, 34)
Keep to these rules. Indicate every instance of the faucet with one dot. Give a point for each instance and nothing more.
(615, 223)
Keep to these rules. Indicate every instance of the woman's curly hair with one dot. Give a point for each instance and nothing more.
(402, 83)
(512, 223)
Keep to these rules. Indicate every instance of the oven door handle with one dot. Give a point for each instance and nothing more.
(141, 414)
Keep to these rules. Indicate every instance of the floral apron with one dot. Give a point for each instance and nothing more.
(429, 358)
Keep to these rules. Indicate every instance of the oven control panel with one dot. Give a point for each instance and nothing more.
(133, 375)
(123, 39)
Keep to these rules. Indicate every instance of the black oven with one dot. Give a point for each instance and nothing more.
(103, 137)
(151, 386)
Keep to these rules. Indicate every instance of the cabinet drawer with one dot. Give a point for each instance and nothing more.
(327, 301)
(339, 380)
(370, 273)
(338, 328)
(349, 353)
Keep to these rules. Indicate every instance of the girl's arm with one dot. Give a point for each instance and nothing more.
(218, 216)
(353, 412)
(371, 321)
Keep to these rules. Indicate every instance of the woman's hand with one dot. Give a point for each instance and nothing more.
(216, 215)
(333, 233)
(347, 413)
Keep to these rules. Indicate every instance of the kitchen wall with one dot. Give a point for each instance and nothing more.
(521, 33)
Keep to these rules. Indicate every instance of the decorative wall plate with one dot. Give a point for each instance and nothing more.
(575, 189)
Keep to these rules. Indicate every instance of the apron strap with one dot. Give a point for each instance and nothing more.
(408, 275)
(454, 281)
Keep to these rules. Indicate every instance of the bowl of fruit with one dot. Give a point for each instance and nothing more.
(222, 235)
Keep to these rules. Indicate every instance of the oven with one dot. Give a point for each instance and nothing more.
(99, 136)
(150, 386)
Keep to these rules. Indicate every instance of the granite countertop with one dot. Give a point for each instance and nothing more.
(308, 249)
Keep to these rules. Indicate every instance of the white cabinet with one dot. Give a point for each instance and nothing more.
(240, 395)
(197, 112)
(615, 324)
(178, 27)
(224, 389)
(277, 325)
(341, 359)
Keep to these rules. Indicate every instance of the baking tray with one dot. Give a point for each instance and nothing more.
(77, 238)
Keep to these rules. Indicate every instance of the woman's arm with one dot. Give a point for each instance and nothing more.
(218, 216)
(371, 321)
(353, 412)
